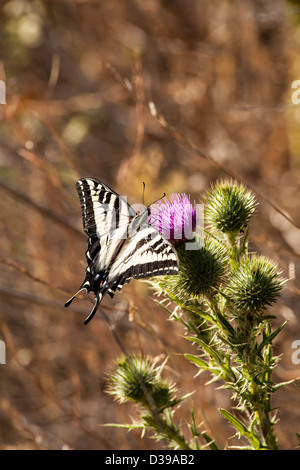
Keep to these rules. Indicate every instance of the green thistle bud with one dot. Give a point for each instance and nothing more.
(128, 376)
(201, 271)
(162, 395)
(138, 379)
(229, 207)
(254, 285)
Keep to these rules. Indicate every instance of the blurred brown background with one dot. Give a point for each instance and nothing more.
(79, 77)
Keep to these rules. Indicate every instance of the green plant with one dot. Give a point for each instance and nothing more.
(221, 295)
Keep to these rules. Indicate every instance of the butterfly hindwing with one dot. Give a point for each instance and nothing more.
(149, 255)
(121, 244)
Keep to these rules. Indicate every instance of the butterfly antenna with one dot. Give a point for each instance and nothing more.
(95, 308)
(159, 199)
(149, 210)
(143, 195)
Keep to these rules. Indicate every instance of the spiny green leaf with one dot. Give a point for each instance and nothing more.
(215, 356)
(226, 325)
(250, 435)
(202, 364)
(282, 384)
(268, 339)
(195, 310)
(208, 349)
(124, 426)
(211, 443)
(196, 360)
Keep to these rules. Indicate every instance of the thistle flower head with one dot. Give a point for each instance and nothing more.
(137, 379)
(254, 285)
(175, 218)
(201, 271)
(229, 207)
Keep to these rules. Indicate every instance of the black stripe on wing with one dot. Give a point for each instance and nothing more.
(103, 211)
(147, 254)
(93, 249)
(101, 207)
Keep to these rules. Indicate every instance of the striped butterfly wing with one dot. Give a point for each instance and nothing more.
(144, 255)
(105, 215)
(121, 244)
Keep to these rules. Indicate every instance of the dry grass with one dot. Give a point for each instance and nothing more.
(176, 94)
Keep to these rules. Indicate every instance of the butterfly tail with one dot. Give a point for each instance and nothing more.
(84, 286)
(72, 298)
(95, 308)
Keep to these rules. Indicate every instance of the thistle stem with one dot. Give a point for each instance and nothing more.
(258, 398)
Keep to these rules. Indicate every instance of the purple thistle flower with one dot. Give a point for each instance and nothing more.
(175, 218)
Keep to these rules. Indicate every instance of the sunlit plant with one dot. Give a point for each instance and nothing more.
(221, 296)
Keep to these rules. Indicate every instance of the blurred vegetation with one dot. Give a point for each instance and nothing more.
(173, 93)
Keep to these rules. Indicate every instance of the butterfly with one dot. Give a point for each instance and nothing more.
(121, 243)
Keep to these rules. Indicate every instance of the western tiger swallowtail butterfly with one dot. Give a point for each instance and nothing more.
(121, 243)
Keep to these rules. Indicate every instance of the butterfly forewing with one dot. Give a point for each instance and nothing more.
(106, 216)
(103, 210)
(121, 244)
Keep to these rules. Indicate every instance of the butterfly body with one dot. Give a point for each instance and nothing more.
(121, 244)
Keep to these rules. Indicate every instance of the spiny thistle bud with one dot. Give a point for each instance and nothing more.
(201, 271)
(229, 207)
(137, 379)
(175, 218)
(254, 285)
